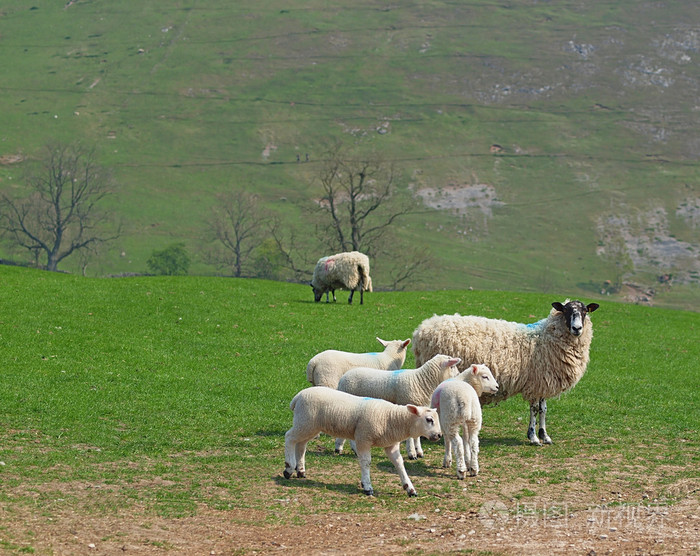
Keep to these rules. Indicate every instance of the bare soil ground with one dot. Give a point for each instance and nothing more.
(557, 519)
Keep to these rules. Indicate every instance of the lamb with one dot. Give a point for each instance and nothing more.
(326, 368)
(539, 360)
(343, 270)
(368, 421)
(403, 386)
(457, 403)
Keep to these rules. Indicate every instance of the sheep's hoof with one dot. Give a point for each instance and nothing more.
(461, 475)
(301, 474)
(338, 451)
(369, 492)
(544, 437)
(412, 493)
(412, 457)
(287, 474)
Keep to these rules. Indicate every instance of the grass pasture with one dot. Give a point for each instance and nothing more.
(147, 415)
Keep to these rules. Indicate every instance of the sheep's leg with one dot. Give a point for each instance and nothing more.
(365, 457)
(542, 433)
(531, 435)
(362, 295)
(462, 454)
(419, 447)
(449, 448)
(339, 444)
(413, 448)
(294, 454)
(471, 443)
(394, 454)
(290, 458)
(352, 292)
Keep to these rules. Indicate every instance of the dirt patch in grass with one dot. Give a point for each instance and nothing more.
(514, 508)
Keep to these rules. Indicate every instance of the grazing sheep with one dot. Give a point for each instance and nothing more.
(457, 403)
(342, 270)
(403, 386)
(326, 368)
(539, 360)
(368, 421)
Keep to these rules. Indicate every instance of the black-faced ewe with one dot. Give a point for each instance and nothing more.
(539, 360)
(348, 271)
(457, 403)
(404, 386)
(368, 421)
(326, 368)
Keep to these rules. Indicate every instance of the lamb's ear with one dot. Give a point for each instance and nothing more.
(413, 409)
(474, 369)
(383, 342)
(592, 307)
(558, 306)
(452, 362)
(406, 342)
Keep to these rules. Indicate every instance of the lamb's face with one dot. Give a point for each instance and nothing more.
(575, 314)
(427, 423)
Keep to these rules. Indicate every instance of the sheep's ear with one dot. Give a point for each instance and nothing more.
(474, 369)
(383, 342)
(452, 362)
(413, 409)
(592, 307)
(558, 306)
(406, 342)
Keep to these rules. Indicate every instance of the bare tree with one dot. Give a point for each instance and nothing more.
(360, 201)
(237, 226)
(61, 216)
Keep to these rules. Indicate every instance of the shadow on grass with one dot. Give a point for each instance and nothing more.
(502, 441)
(316, 485)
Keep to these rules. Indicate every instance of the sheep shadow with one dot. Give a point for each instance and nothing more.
(315, 484)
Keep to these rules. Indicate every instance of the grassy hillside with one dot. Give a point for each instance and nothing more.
(551, 135)
(147, 397)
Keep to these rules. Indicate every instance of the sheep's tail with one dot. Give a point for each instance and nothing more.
(293, 402)
(365, 278)
(310, 368)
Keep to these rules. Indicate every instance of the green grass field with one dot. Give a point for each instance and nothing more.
(593, 105)
(171, 395)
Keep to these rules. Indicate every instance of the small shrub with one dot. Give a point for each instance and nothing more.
(171, 261)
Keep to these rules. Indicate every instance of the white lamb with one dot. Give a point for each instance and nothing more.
(326, 368)
(404, 386)
(457, 403)
(539, 360)
(368, 421)
(342, 271)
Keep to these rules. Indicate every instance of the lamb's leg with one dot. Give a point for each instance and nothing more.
(531, 435)
(365, 457)
(462, 455)
(413, 448)
(542, 433)
(419, 447)
(447, 460)
(339, 443)
(394, 454)
(472, 442)
(290, 458)
(301, 458)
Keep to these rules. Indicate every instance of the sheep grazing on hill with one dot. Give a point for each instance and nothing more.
(326, 368)
(539, 360)
(404, 386)
(348, 271)
(457, 403)
(368, 421)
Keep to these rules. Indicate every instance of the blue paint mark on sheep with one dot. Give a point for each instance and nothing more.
(398, 372)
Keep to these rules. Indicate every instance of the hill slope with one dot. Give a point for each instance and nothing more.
(549, 147)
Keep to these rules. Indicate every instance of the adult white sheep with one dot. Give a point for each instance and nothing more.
(326, 368)
(457, 403)
(539, 360)
(342, 271)
(368, 421)
(404, 386)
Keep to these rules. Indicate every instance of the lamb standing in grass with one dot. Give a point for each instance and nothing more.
(457, 403)
(326, 368)
(414, 386)
(368, 421)
(539, 360)
(342, 271)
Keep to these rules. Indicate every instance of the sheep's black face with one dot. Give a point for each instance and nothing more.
(318, 293)
(575, 314)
